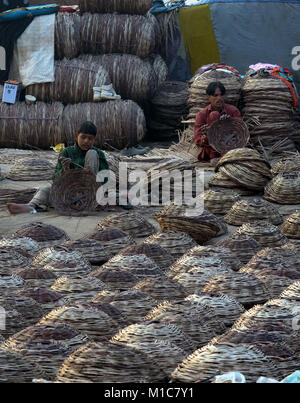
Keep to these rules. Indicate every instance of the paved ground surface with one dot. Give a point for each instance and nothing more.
(76, 227)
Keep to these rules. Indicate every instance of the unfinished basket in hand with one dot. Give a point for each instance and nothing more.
(228, 134)
(73, 193)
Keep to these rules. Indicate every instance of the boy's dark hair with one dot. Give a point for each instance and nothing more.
(211, 88)
(87, 128)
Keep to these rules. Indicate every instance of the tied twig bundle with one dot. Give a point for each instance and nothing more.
(24, 125)
(118, 33)
(67, 35)
(160, 67)
(132, 77)
(120, 123)
(74, 82)
(140, 7)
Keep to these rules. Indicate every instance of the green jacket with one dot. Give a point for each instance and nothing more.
(77, 155)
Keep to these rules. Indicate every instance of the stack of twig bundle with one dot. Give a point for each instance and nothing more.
(268, 104)
(74, 81)
(132, 77)
(118, 33)
(120, 123)
(199, 82)
(38, 125)
(168, 108)
(67, 38)
(140, 7)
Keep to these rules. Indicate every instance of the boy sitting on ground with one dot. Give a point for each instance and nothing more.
(82, 153)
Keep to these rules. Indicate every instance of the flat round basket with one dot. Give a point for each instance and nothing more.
(17, 369)
(132, 303)
(219, 359)
(176, 243)
(228, 134)
(226, 308)
(109, 363)
(73, 193)
(44, 234)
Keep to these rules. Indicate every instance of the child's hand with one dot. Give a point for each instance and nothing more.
(65, 162)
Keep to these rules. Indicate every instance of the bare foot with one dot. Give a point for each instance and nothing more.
(15, 208)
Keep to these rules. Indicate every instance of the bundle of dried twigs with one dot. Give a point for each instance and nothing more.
(116, 6)
(67, 35)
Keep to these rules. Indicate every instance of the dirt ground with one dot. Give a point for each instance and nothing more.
(75, 227)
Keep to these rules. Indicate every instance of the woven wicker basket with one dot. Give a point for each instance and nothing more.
(227, 309)
(48, 299)
(132, 223)
(87, 318)
(31, 169)
(218, 201)
(44, 234)
(140, 266)
(17, 369)
(10, 284)
(73, 193)
(280, 261)
(245, 288)
(161, 288)
(290, 164)
(245, 211)
(201, 227)
(224, 253)
(78, 289)
(62, 261)
(47, 354)
(14, 322)
(109, 363)
(218, 359)
(91, 249)
(194, 320)
(25, 246)
(63, 334)
(159, 255)
(133, 304)
(112, 239)
(207, 266)
(228, 134)
(292, 293)
(115, 278)
(165, 354)
(291, 226)
(155, 330)
(241, 246)
(263, 232)
(10, 260)
(176, 243)
(39, 278)
(284, 188)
